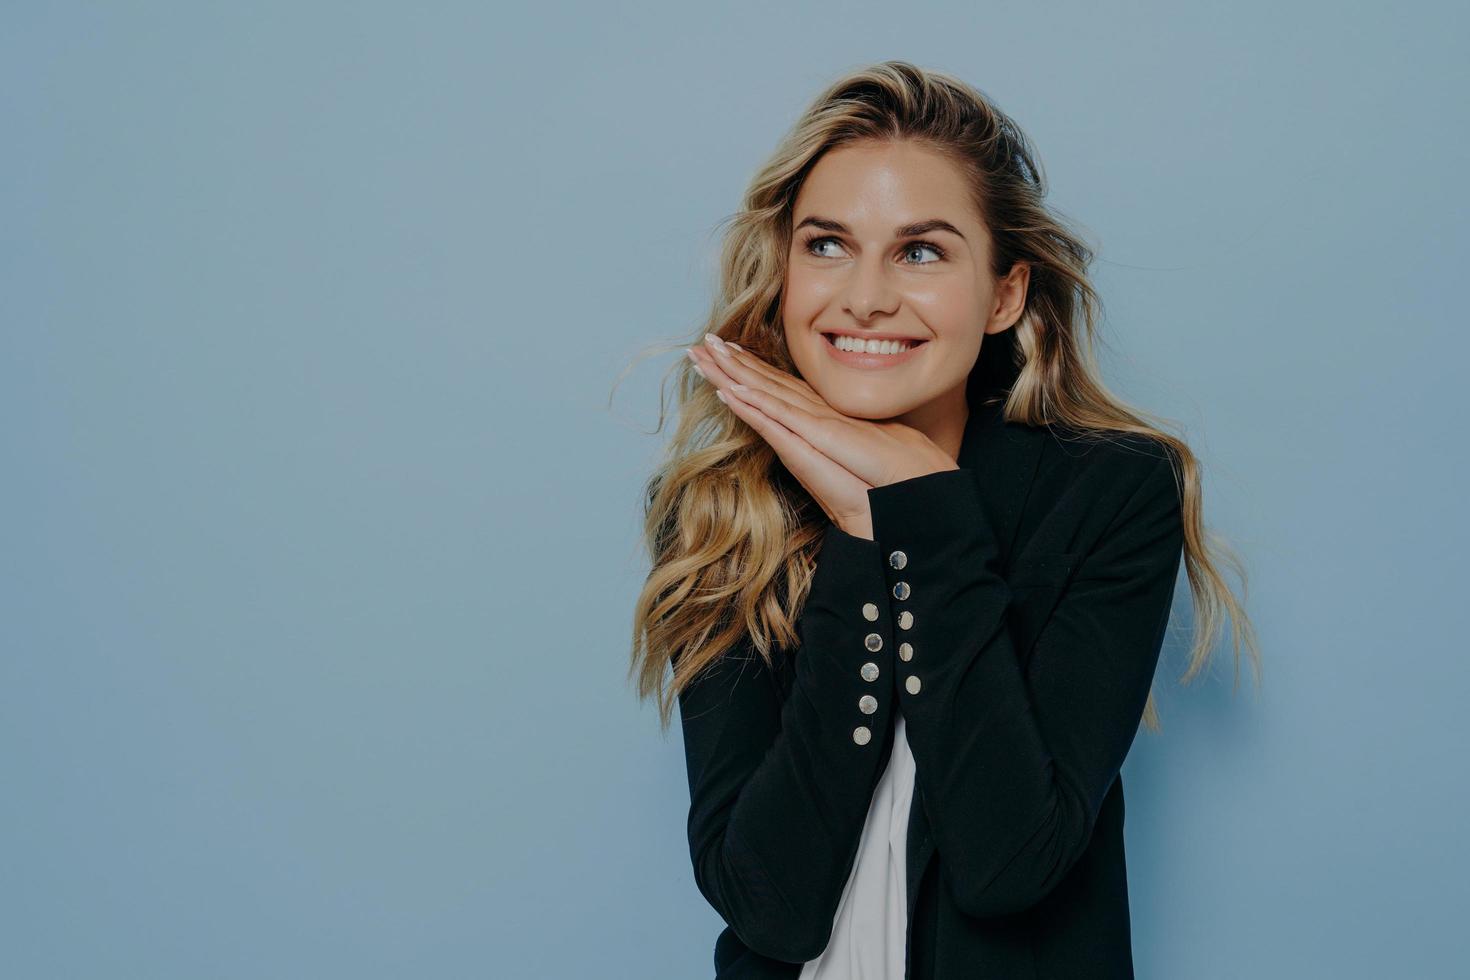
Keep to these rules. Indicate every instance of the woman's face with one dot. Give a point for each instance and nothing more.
(886, 244)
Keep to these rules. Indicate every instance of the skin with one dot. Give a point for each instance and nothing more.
(841, 429)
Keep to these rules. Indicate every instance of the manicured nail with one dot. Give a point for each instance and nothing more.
(715, 342)
(721, 396)
(731, 343)
(738, 387)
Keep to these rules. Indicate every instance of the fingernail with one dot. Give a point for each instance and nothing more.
(720, 395)
(714, 342)
(731, 343)
(738, 387)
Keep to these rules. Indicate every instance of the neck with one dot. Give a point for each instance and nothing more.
(942, 420)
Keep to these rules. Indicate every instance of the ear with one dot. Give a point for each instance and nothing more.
(1010, 298)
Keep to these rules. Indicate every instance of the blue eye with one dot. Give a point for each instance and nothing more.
(815, 241)
(810, 242)
(920, 246)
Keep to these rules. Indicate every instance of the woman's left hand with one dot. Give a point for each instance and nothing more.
(837, 458)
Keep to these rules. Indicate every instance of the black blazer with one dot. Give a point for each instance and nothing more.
(1040, 577)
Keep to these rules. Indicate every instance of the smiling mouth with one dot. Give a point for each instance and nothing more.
(855, 345)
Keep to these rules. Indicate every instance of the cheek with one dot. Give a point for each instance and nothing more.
(800, 312)
(951, 311)
(802, 305)
(804, 298)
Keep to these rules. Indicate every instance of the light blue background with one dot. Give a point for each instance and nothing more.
(321, 534)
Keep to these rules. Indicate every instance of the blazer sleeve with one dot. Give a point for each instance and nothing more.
(780, 789)
(1013, 763)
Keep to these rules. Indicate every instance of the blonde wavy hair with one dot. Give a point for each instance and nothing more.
(731, 535)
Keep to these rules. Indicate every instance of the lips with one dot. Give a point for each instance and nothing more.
(862, 360)
(913, 342)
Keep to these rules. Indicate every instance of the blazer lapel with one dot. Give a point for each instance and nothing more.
(1004, 458)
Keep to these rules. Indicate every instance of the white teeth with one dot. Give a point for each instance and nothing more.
(857, 345)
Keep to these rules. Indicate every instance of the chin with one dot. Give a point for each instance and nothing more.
(855, 405)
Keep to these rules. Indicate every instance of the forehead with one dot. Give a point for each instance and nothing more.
(875, 187)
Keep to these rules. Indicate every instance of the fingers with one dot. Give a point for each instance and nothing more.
(818, 426)
(773, 401)
(743, 367)
(782, 439)
(712, 368)
(810, 466)
(814, 431)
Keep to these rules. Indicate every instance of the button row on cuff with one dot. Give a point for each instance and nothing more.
(901, 591)
(868, 704)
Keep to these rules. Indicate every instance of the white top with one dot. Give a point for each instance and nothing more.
(868, 933)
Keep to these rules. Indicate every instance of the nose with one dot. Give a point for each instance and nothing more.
(869, 290)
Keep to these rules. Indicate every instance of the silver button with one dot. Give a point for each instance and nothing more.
(912, 684)
(868, 704)
(900, 590)
(898, 559)
(873, 642)
(861, 735)
(870, 611)
(905, 651)
(905, 619)
(869, 671)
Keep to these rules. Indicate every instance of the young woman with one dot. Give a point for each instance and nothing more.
(912, 563)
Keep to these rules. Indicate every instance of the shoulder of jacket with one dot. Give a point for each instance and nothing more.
(1119, 455)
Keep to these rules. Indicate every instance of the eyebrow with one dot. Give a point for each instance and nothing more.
(904, 231)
